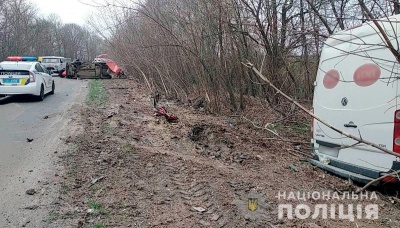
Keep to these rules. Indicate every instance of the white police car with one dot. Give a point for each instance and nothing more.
(25, 75)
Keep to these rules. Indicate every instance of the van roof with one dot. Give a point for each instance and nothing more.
(53, 57)
(390, 24)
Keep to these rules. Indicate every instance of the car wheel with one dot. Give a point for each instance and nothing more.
(53, 87)
(41, 96)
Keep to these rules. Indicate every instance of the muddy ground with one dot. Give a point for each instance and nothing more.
(126, 167)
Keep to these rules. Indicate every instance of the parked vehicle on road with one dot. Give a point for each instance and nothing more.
(357, 91)
(25, 75)
(56, 64)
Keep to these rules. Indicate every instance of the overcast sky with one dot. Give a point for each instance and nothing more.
(70, 11)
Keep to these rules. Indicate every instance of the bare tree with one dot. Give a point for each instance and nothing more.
(193, 48)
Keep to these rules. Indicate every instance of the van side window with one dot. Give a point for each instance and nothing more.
(39, 68)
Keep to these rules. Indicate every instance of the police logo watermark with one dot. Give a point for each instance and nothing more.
(353, 206)
(252, 204)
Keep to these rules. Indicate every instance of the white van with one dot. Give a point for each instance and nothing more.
(357, 91)
(56, 64)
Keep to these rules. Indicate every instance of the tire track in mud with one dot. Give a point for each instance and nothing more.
(198, 197)
(202, 185)
(173, 184)
(197, 180)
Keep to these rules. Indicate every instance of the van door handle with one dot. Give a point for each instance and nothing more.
(351, 124)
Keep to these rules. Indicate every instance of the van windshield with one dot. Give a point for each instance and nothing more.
(50, 60)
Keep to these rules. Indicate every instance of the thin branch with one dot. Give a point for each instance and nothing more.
(264, 128)
(288, 140)
(382, 32)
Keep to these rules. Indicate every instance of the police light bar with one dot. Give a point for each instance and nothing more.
(22, 58)
(29, 58)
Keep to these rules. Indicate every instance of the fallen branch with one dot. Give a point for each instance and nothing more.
(264, 128)
(295, 154)
(94, 181)
(298, 153)
(287, 140)
(358, 139)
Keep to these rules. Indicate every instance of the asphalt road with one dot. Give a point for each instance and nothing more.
(31, 165)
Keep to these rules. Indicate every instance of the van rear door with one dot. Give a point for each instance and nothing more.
(356, 91)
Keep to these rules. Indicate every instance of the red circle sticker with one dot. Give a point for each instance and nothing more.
(367, 74)
(331, 79)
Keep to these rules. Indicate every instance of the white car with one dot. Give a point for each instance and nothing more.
(21, 77)
(57, 64)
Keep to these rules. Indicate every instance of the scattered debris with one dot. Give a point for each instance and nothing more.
(68, 139)
(199, 209)
(230, 123)
(204, 223)
(175, 137)
(215, 217)
(94, 181)
(30, 192)
(293, 167)
(197, 131)
(199, 102)
(32, 208)
(90, 211)
(25, 223)
(240, 157)
(169, 117)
